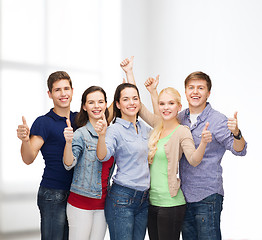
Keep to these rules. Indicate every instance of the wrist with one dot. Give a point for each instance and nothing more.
(237, 135)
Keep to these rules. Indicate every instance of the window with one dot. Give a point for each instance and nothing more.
(81, 37)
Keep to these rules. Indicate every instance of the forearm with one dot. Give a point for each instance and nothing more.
(101, 149)
(197, 156)
(27, 152)
(154, 99)
(130, 77)
(239, 145)
(68, 157)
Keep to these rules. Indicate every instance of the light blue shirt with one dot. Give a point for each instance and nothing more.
(206, 179)
(130, 150)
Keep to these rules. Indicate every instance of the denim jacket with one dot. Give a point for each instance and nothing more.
(87, 170)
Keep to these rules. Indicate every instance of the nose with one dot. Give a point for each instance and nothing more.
(63, 92)
(96, 104)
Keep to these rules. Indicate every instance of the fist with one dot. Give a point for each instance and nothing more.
(23, 131)
(68, 132)
(232, 124)
(206, 134)
(101, 126)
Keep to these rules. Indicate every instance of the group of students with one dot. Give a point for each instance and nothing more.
(168, 179)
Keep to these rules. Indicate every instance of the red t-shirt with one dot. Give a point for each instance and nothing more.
(88, 203)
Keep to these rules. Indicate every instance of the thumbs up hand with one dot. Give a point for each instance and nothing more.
(101, 126)
(232, 124)
(152, 83)
(206, 134)
(23, 131)
(68, 132)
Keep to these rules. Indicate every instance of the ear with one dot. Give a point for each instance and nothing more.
(180, 107)
(49, 94)
(208, 94)
(118, 105)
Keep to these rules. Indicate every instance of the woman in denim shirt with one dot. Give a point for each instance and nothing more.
(126, 205)
(85, 207)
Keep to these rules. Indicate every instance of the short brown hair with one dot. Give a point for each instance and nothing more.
(199, 76)
(59, 75)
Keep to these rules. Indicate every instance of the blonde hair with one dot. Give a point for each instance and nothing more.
(155, 135)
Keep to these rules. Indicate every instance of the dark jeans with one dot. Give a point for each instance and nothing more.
(165, 223)
(202, 219)
(52, 206)
(126, 213)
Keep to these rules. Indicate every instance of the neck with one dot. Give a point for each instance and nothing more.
(197, 110)
(62, 112)
(93, 121)
(170, 125)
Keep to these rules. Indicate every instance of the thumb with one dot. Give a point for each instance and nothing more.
(24, 121)
(157, 78)
(206, 126)
(104, 117)
(68, 123)
(235, 115)
(132, 58)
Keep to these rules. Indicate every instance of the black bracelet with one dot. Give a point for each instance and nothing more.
(238, 136)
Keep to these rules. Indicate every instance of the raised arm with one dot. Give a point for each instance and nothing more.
(100, 128)
(239, 141)
(196, 157)
(151, 85)
(68, 157)
(30, 145)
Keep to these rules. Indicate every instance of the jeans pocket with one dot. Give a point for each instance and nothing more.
(53, 195)
(120, 199)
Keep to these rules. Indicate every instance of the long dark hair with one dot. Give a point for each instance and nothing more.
(82, 117)
(119, 89)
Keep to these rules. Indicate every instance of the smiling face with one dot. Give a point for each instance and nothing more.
(168, 106)
(197, 94)
(129, 103)
(61, 94)
(95, 105)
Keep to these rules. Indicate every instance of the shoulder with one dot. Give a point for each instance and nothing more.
(184, 131)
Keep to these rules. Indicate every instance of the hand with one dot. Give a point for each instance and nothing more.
(68, 132)
(23, 131)
(233, 125)
(206, 134)
(101, 126)
(151, 83)
(127, 64)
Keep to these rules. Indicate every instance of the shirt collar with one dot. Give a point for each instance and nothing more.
(53, 115)
(202, 116)
(91, 129)
(126, 123)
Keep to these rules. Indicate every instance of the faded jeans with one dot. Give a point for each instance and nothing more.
(202, 219)
(126, 212)
(52, 205)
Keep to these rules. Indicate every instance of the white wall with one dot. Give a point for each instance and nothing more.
(222, 38)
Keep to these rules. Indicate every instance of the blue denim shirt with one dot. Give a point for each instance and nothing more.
(206, 179)
(130, 151)
(88, 170)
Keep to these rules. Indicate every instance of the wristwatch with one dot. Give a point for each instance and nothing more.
(238, 136)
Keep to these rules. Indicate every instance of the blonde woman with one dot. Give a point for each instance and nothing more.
(168, 141)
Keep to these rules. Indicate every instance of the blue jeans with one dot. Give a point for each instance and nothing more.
(52, 205)
(126, 213)
(202, 219)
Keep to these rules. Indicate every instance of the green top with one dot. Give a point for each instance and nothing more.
(159, 194)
